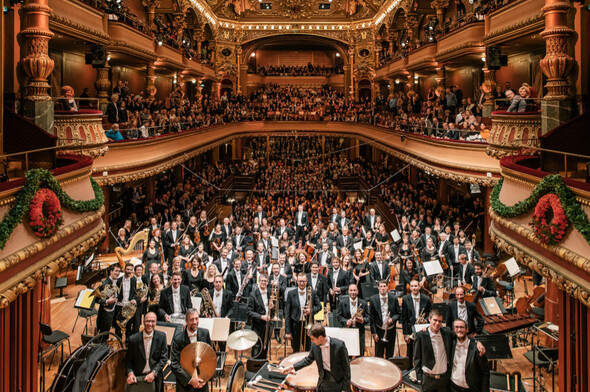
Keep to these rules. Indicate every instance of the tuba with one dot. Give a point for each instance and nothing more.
(138, 239)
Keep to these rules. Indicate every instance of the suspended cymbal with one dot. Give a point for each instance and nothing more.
(199, 359)
(242, 339)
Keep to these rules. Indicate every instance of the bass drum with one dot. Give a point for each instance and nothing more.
(110, 374)
(237, 377)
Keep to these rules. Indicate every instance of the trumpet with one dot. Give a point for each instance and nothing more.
(208, 303)
(421, 318)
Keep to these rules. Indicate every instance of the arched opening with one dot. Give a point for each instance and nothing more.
(365, 90)
(227, 87)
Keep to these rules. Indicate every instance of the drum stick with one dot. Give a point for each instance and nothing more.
(260, 379)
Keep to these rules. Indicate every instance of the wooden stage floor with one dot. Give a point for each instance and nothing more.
(63, 316)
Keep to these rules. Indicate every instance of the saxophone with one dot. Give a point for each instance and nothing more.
(209, 308)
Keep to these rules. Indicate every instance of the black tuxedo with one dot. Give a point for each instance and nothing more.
(473, 255)
(135, 357)
(300, 228)
(339, 365)
(477, 370)
(169, 240)
(132, 296)
(232, 284)
(370, 222)
(262, 259)
(112, 112)
(228, 266)
(227, 302)
(256, 310)
(451, 254)
(106, 313)
(238, 242)
(167, 303)
(380, 271)
(340, 242)
(325, 257)
(227, 232)
(376, 317)
(287, 270)
(321, 286)
(336, 219)
(293, 317)
(469, 272)
(260, 216)
(434, 240)
(280, 230)
(343, 314)
(424, 353)
(488, 285)
(343, 222)
(474, 319)
(179, 342)
(342, 282)
(409, 316)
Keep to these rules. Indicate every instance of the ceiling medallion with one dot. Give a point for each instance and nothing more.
(297, 9)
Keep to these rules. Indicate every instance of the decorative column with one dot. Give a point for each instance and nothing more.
(393, 36)
(489, 86)
(440, 6)
(36, 63)
(441, 78)
(151, 80)
(352, 92)
(347, 79)
(150, 189)
(106, 190)
(103, 86)
(239, 70)
(557, 106)
(488, 244)
(151, 6)
(411, 25)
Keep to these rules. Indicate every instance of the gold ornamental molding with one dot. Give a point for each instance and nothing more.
(68, 26)
(523, 27)
(124, 46)
(563, 279)
(36, 247)
(48, 266)
(460, 50)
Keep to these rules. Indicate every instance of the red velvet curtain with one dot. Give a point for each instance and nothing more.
(19, 341)
(574, 345)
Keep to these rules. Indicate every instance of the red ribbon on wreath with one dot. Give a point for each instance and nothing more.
(45, 213)
(549, 220)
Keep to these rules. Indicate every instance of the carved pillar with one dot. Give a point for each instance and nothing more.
(441, 78)
(353, 89)
(151, 80)
(347, 79)
(103, 86)
(151, 6)
(557, 65)
(488, 244)
(239, 70)
(393, 36)
(106, 190)
(323, 149)
(150, 189)
(489, 86)
(411, 25)
(36, 63)
(439, 6)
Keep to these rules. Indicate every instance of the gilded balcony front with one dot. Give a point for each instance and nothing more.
(515, 19)
(81, 127)
(514, 133)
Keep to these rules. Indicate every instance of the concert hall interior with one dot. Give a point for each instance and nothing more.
(304, 195)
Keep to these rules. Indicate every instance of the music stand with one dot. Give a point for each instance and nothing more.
(85, 300)
(489, 306)
(60, 283)
(497, 346)
(443, 308)
(240, 313)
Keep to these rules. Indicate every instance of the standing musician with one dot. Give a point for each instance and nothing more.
(354, 313)
(147, 354)
(324, 257)
(331, 357)
(285, 269)
(275, 275)
(465, 271)
(106, 309)
(259, 307)
(371, 220)
(223, 263)
(191, 334)
(262, 259)
(236, 277)
(127, 289)
(141, 301)
(297, 308)
(222, 299)
(318, 282)
(172, 238)
(453, 252)
(466, 311)
(384, 313)
(338, 281)
(415, 309)
(484, 284)
(380, 269)
(345, 239)
(301, 224)
(174, 299)
(469, 371)
(472, 254)
(238, 240)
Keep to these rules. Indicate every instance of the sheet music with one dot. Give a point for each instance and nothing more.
(350, 337)
(197, 302)
(432, 267)
(395, 235)
(274, 242)
(85, 300)
(218, 327)
(512, 266)
(358, 245)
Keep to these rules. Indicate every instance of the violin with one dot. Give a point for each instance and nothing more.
(197, 237)
(206, 230)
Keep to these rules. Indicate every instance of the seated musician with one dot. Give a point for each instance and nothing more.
(470, 372)
(331, 357)
(185, 382)
(353, 312)
(410, 272)
(484, 284)
(466, 311)
(147, 364)
(174, 300)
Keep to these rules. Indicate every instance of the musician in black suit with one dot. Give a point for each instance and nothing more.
(296, 303)
(127, 294)
(282, 228)
(371, 220)
(470, 371)
(172, 238)
(353, 312)
(318, 282)
(153, 270)
(223, 263)
(338, 281)
(466, 311)
(285, 269)
(335, 217)
(147, 354)
(301, 224)
(472, 254)
(175, 299)
(324, 257)
(343, 222)
(464, 272)
(432, 355)
(259, 310)
(415, 306)
(226, 229)
(484, 284)
(191, 334)
(260, 214)
(275, 275)
(380, 269)
(262, 258)
(112, 111)
(106, 308)
(344, 240)
(235, 279)
(333, 365)
(384, 313)
(453, 252)
(222, 299)
(239, 239)
(428, 234)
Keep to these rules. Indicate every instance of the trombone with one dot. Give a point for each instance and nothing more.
(306, 320)
(274, 300)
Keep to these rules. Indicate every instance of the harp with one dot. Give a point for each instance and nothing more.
(135, 249)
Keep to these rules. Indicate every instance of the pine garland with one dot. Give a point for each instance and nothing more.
(33, 181)
(550, 184)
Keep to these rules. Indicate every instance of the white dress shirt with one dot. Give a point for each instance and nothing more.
(264, 301)
(335, 277)
(459, 364)
(301, 299)
(217, 300)
(462, 311)
(325, 348)
(440, 354)
(176, 300)
(384, 310)
(147, 344)
(353, 306)
(456, 253)
(416, 301)
(192, 336)
(314, 281)
(126, 286)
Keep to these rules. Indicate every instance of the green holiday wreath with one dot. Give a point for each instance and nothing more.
(33, 181)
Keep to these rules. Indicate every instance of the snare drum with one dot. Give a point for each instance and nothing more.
(374, 374)
(306, 379)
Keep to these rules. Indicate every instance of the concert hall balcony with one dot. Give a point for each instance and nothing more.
(514, 131)
(84, 126)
